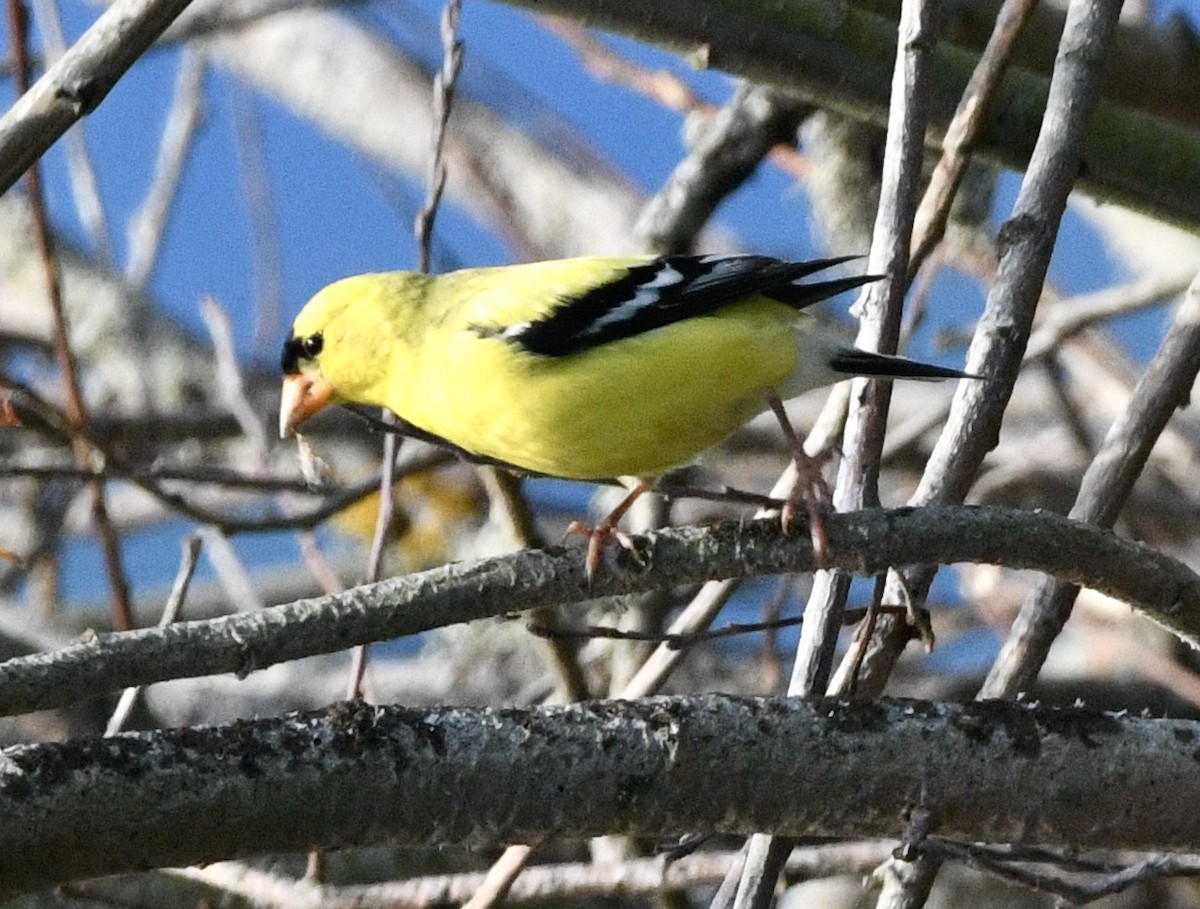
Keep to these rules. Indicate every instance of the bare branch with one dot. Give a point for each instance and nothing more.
(839, 55)
(80, 80)
(355, 773)
(147, 225)
(865, 542)
(726, 152)
(337, 74)
(82, 176)
(647, 876)
(76, 411)
(174, 604)
(1106, 486)
(879, 309)
(963, 131)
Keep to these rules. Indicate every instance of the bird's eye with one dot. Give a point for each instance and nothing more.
(312, 345)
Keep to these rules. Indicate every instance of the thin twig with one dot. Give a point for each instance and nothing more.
(80, 171)
(443, 99)
(510, 505)
(721, 156)
(880, 310)
(76, 412)
(772, 611)
(1068, 317)
(648, 876)
(39, 414)
(147, 225)
(318, 564)
(228, 565)
(183, 579)
(243, 593)
(660, 86)
(500, 877)
(674, 641)
(199, 474)
(1078, 893)
(1072, 315)
(1072, 418)
(231, 387)
(266, 265)
(963, 130)
(848, 682)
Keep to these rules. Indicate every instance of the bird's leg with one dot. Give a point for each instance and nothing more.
(810, 489)
(605, 529)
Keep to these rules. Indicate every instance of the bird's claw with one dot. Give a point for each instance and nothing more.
(597, 536)
(813, 494)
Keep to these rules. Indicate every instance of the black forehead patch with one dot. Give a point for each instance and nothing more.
(293, 352)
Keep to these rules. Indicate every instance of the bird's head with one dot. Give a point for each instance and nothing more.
(338, 350)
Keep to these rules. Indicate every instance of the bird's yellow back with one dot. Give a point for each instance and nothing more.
(634, 407)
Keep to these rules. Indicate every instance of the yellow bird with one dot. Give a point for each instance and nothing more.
(587, 368)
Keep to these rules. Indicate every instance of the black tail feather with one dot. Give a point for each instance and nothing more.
(800, 296)
(855, 362)
(797, 270)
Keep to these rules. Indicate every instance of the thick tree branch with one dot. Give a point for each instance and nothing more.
(1152, 65)
(839, 56)
(355, 774)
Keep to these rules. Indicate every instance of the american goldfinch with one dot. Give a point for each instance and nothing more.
(585, 368)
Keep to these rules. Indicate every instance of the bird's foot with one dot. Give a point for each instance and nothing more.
(608, 528)
(810, 489)
(812, 493)
(597, 537)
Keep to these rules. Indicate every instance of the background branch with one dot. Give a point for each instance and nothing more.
(79, 81)
(839, 56)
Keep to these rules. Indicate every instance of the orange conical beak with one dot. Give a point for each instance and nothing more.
(302, 396)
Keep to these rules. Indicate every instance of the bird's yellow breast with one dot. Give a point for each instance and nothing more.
(632, 407)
